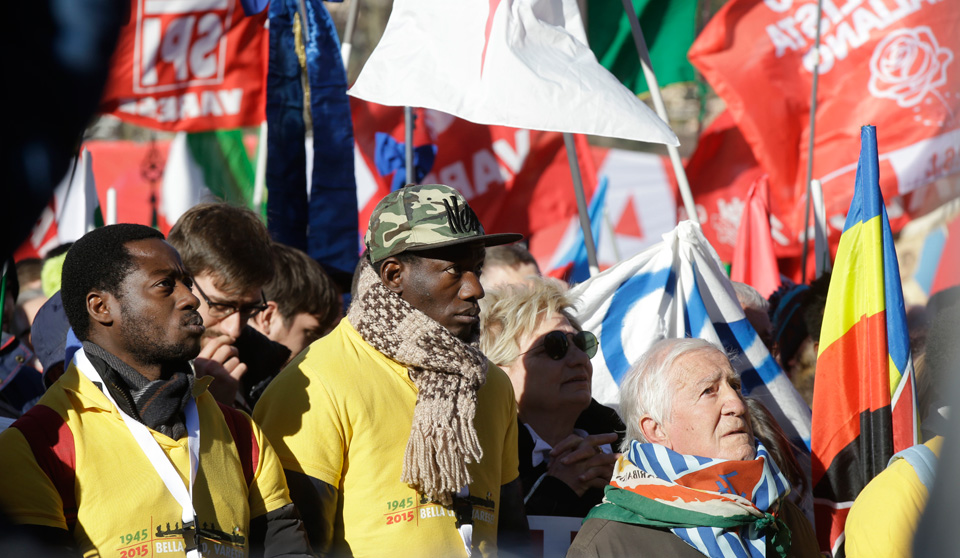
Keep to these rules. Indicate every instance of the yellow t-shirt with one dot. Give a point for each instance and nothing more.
(884, 517)
(120, 505)
(341, 412)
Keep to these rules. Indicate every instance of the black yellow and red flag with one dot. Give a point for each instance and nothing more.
(864, 401)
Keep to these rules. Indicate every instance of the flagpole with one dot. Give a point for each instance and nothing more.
(581, 203)
(408, 123)
(347, 45)
(260, 174)
(111, 206)
(661, 109)
(820, 245)
(813, 127)
(3, 289)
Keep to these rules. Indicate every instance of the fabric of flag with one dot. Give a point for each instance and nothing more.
(253, 7)
(323, 224)
(523, 63)
(947, 267)
(515, 180)
(206, 167)
(864, 396)
(73, 211)
(754, 259)
(892, 64)
(519, 180)
(668, 29)
(678, 288)
(390, 158)
(189, 65)
(573, 262)
(721, 171)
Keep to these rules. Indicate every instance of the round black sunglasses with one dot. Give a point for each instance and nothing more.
(555, 344)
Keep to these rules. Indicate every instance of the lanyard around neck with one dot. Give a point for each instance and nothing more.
(161, 463)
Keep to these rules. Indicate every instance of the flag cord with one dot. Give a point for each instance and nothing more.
(813, 123)
(654, 87)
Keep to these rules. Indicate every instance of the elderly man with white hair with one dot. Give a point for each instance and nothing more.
(693, 480)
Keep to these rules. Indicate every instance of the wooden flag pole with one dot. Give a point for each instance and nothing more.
(582, 210)
(654, 86)
(813, 127)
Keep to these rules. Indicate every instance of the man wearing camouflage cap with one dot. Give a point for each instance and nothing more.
(395, 432)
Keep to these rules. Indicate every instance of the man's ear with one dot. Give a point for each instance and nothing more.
(392, 273)
(265, 318)
(653, 431)
(100, 306)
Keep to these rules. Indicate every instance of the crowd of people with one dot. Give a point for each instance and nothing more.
(208, 394)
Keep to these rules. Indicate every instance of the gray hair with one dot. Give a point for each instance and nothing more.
(749, 297)
(647, 387)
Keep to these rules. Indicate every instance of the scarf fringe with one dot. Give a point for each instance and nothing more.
(447, 372)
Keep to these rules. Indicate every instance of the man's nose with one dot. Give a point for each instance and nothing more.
(733, 403)
(471, 287)
(232, 325)
(188, 299)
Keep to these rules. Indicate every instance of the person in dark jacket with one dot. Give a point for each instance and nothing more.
(565, 436)
(228, 251)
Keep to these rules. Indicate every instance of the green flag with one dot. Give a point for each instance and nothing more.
(668, 27)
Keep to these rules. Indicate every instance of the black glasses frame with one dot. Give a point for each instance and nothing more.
(221, 310)
(555, 344)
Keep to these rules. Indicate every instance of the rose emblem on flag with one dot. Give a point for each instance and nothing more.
(907, 65)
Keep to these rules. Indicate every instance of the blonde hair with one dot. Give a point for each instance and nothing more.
(509, 312)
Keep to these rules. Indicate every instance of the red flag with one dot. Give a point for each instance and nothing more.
(516, 180)
(721, 171)
(754, 261)
(188, 65)
(892, 64)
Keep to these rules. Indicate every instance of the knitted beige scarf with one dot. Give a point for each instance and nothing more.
(447, 373)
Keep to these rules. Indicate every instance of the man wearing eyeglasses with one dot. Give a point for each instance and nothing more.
(228, 251)
(126, 454)
(397, 435)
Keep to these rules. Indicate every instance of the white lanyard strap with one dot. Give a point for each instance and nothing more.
(159, 460)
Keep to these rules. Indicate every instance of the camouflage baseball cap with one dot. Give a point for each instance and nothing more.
(421, 217)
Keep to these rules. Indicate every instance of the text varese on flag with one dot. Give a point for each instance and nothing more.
(889, 62)
(188, 65)
(865, 396)
(524, 64)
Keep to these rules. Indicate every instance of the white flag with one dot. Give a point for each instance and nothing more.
(678, 289)
(519, 63)
(183, 183)
(76, 203)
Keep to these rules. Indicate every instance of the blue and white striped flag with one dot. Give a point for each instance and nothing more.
(678, 289)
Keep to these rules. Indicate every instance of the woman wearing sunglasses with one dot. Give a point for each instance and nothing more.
(565, 437)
